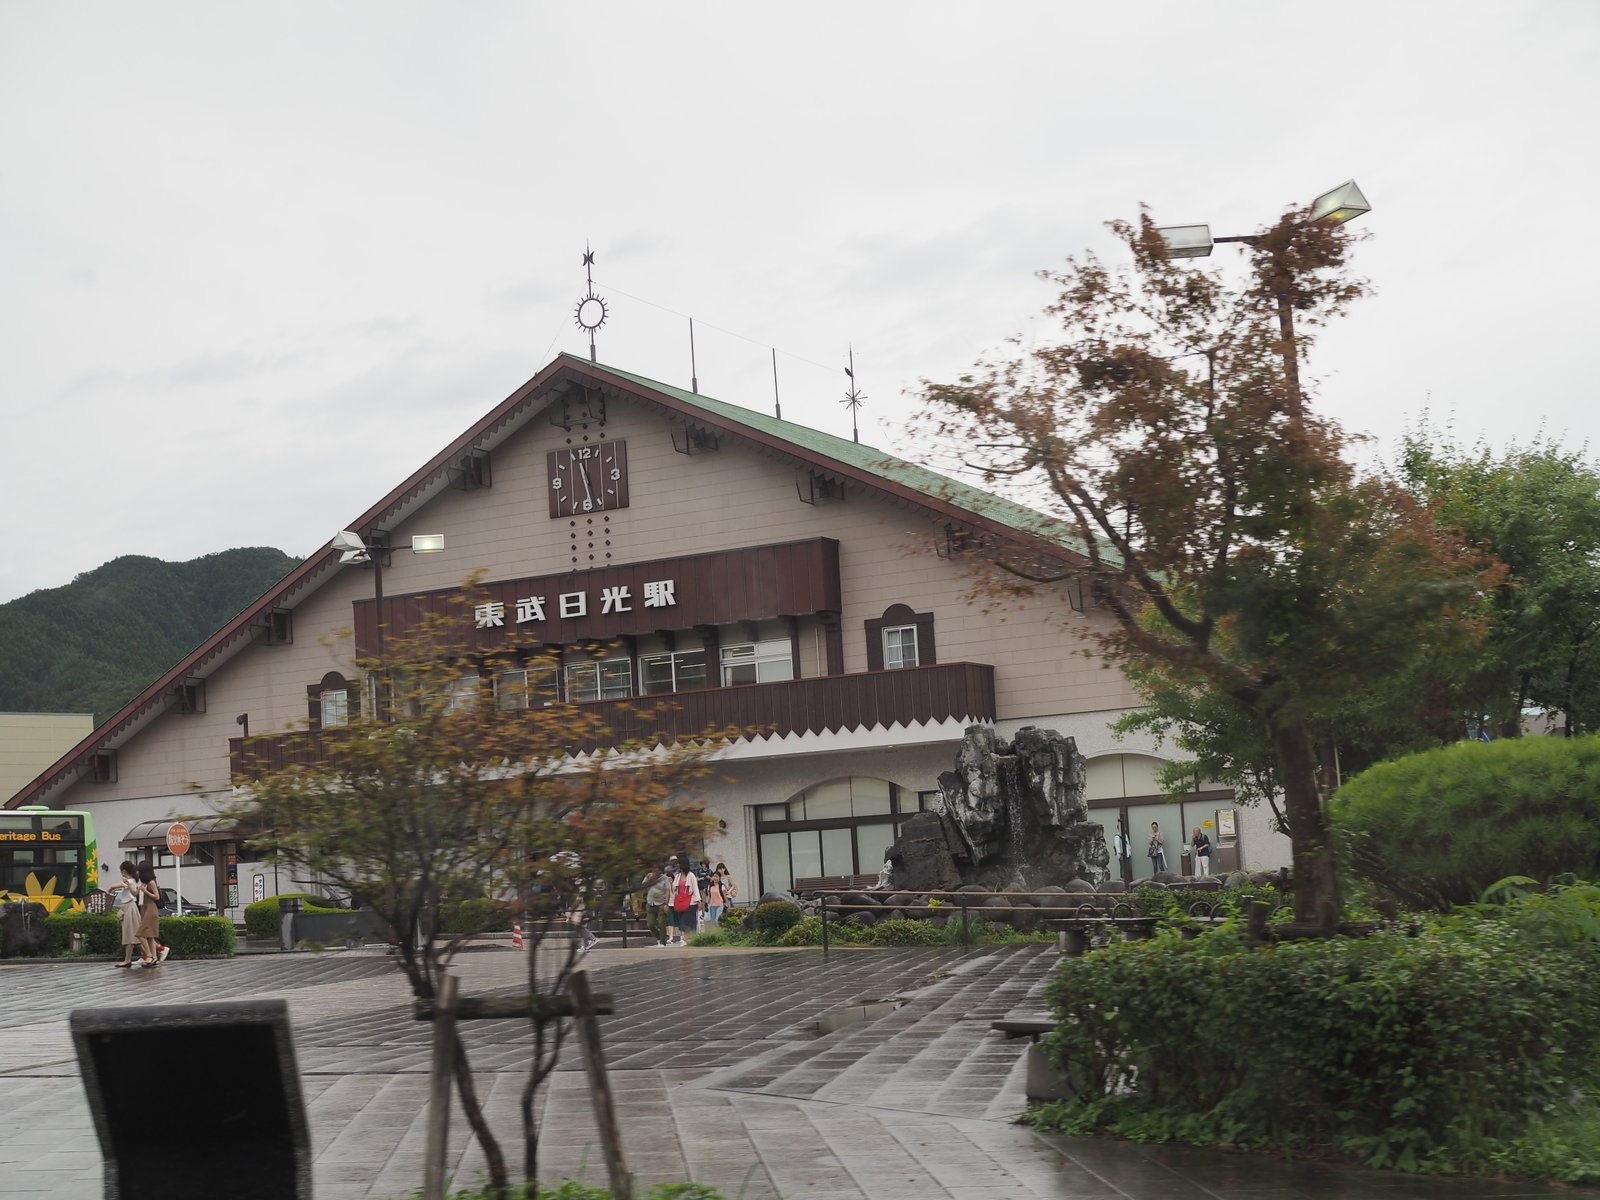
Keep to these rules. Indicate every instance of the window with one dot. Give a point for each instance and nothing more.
(335, 708)
(602, 679)
(841, 827)
(678, 672)
(462, 692)
(900, 639)
(757, 662)
(332, 702)
(525, 687)
(899, 647)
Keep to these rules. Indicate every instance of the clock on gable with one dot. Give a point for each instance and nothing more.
(588, 479)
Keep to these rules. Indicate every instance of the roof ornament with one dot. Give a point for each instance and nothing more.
(591, 311)
(853, 398)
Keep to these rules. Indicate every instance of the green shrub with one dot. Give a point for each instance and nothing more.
(198, 937)
(1422, 1052)
(774, 918)
(261, 917)
(732, 919)
(474, 916)
(1437, 828)
(904, 931)
(102, 932)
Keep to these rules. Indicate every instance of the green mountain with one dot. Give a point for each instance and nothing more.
(98, 642)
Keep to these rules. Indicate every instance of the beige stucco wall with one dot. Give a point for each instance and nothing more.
(31, 742)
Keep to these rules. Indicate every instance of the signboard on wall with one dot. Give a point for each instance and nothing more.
(1226, 823)
(258, 887)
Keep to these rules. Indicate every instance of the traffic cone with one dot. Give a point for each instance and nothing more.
(516, 934)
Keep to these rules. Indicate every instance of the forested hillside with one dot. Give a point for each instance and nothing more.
(98, 642)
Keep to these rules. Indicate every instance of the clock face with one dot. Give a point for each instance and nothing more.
(588, 479)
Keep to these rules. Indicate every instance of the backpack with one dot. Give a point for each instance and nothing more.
(680, 898)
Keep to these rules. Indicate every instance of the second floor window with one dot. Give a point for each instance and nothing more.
(678, 672)
(899, 647)
(525, 687)
(757, 662)
(601, 679)
(335, 708)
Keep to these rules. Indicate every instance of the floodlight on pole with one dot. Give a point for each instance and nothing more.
(1187, 241)
(353, 548)
(1343, 203)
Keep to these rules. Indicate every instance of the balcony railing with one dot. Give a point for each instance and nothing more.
(826, 704)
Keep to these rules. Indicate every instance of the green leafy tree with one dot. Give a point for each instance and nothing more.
(1168, 427)
(445, 794)
(1537, 509)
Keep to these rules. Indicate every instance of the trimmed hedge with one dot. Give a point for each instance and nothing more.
(261, 917)
(474, 916)
(186, 937)
(1437, 828)
(774, 918)
(1425, 1052)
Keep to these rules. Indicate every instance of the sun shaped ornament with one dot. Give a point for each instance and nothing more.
(591, 311)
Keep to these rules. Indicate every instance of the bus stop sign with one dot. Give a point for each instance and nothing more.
(178, 839)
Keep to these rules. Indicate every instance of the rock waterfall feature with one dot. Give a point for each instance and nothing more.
(1012, 816)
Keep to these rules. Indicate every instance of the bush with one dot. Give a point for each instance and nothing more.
(732, 919)
(187, 937)
(903, 931)
(1437, 828)
(261, 917)
(774, 918)
(198, 937)
(102, 932)
(1423, 1052)
(474, 916)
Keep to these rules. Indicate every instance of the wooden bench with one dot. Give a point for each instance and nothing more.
(835, 883)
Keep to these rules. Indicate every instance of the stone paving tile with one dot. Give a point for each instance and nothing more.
(915, 1105)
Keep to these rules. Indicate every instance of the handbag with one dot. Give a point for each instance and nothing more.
(680, 899)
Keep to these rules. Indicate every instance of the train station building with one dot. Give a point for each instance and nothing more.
(659, 543)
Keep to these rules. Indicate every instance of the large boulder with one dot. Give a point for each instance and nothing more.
(921, 858)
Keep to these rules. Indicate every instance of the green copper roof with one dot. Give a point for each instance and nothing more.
(814, 443)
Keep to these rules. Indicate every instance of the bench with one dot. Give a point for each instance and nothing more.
(835, 883)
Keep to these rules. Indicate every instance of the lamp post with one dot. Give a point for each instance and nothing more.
(1336, 206)
(354, 548)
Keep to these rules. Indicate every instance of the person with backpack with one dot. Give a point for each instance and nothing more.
(685, 904)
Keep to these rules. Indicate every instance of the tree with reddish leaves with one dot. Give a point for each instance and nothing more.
(1214, 517)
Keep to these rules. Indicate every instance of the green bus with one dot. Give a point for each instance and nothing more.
(48, 856)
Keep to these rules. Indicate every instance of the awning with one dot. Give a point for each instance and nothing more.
(202, 829)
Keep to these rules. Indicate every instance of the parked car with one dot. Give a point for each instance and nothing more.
(169, 906)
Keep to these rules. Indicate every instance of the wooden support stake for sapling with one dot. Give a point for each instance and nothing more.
(440, 1077)
(594, 1063)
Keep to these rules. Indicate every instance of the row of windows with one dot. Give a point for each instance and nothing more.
(613, 678)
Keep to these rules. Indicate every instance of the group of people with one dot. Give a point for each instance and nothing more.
(1199, 846)
(679, 895)
(139, 908)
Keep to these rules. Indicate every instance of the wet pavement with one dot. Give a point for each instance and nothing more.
(727, 1068)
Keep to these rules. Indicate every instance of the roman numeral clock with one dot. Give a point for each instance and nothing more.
(588, 479)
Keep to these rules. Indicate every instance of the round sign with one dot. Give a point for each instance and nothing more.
(178, 839)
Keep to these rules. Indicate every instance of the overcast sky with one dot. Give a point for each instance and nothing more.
(259, 262)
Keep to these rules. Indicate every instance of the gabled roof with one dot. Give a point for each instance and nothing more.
(962, 506)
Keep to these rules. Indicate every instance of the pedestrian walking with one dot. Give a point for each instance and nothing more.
(715, 901)
(150, 917)
(685, 904)
(128, 911)
(1201, 845)
(658, 894)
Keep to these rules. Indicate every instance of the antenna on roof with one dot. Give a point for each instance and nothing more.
(777, 405)
(591, 310)
(853, 398)
(694, 377)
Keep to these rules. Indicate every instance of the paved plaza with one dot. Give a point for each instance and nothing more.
(721, 1074)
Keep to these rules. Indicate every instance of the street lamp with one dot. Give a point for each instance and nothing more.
(354, 549)
(1335, 206)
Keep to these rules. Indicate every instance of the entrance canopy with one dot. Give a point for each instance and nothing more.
(202, 829)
